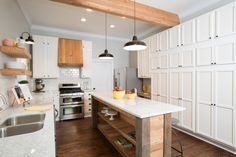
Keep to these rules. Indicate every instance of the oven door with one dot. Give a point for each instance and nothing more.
(71, 112)
(71, 100)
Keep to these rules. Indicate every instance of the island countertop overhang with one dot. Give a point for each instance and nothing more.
(139, 107)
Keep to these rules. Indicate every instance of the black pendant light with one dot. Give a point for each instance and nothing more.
(105, 54)
(135, 44)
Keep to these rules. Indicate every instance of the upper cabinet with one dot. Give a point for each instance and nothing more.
(174, 37)
(205, 29)
(143, 61)
(70, 52)
(45, 54)
(163, 39)
(225, 20)
(187, 33)
(218, 23)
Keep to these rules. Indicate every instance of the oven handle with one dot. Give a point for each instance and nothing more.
(72, 106)
(71, 96)
(73, 103)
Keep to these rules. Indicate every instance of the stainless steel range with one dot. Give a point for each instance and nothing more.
(71, 101)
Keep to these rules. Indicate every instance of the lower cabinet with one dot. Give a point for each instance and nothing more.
(182, 94)
(215, 104)
(160, 86)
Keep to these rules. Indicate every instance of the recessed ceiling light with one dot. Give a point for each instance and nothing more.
(89, 10)
(83, 20)
(112, 26)
(123, 17)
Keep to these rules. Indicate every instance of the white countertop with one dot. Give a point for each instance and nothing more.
(139, 107)
(35, 144)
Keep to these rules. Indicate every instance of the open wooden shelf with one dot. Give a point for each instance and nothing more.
(112, 135)
(15, 52)
(15, 72)
(120, 126)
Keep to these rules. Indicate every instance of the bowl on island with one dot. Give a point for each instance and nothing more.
(118, 94)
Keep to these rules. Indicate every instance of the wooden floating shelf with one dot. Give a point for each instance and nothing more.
(112, 135)
(120, 126)
(15, 52)
(15, 72)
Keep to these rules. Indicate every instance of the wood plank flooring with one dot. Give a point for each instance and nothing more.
(76, 138)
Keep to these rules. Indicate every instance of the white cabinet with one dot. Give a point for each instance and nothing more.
(221, 51)
(188, 33)
(215, 104)
(45, 57)
(182, 94)
(87, 59)
(218, 23)
(160, 86)
(205, 27)
(225, 20)
(174, 37)
(158, 61)
(153, 44)
(182, 58)
(163, 37)
(143, 63)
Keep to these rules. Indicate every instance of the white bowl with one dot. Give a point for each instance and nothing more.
(15, 65)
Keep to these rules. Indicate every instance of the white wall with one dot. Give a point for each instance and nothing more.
(115, 46)
(12, 25)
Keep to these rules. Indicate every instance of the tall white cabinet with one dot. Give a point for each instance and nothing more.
(45, 57)
(193, 65)
(216, 103)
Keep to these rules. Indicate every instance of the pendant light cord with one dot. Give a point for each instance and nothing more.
(106, 30)
(134, 18)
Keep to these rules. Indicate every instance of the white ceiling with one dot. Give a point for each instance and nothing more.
(55, 15)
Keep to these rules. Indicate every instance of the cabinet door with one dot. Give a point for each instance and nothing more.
(225, 20)
(187, 58)
(163, 40)
(155, 62)
(204, 26)
(39, 57)
(153, 44)
(52, 57)
(87, 62)
(174, 93)
(204, 55)
(225, 52)
(188, 33)
(164, 61)
(146, 63)
(187, 99)
(204, 100)
(164, 86)
(224, 108)
(174, 60)
(174, 37)
(155, 84)
(139, 54)
(158, 43)
(77, 53)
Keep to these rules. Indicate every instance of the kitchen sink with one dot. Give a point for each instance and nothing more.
(24, 124)
(25, 119)
(20, 129)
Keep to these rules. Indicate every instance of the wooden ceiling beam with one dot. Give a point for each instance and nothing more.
(125, 8)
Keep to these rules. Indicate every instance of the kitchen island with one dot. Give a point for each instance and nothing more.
(145, 124)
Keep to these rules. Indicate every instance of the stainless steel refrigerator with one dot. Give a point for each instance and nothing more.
(127, 79)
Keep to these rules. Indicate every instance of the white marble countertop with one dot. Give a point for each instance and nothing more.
(139, 107)
(35, 144)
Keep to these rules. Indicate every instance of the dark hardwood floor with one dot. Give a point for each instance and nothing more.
(76, 138)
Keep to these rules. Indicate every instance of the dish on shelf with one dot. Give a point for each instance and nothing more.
(111, 113)
(15, 65)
